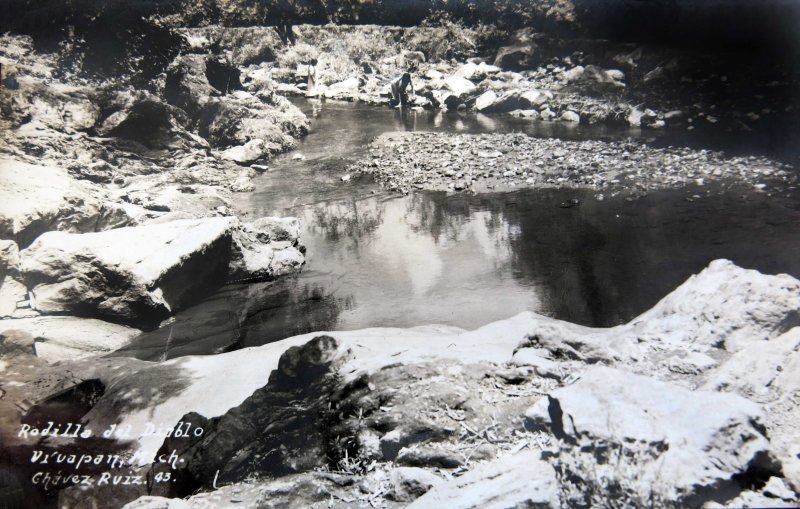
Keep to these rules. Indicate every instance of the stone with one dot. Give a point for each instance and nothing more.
(210, 92)
(751, 372)
(776, 488)
(466, 71)
(595, 80)
(250, 152)
(276, 429)
(427, 456)
(344, 88)
(134, 274)
(634, 117)
(144, 118)
(35, 199)
(60, 106)
(484, 70)
(67, 337)
(14, 301)
(570, 117)
(485, 100)
(689, 443)
(459, 86)
(9, 259)
(236, 119)
(433, 74)
(151, 502)
(188, 86)
(266, 247)
(529, 114)
(574, 74)
(535, 358)
(409, 483)
(517, 480)
(724, 306)
(547, 114)
(516, 57)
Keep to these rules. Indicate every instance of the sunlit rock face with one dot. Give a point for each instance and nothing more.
(142, 274)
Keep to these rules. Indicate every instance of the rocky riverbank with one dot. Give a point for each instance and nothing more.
(539, 76)
(118, 203)
(501, 162)
(692, 404)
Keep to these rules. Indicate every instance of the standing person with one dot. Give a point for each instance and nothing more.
(311, 81)
(399, 92)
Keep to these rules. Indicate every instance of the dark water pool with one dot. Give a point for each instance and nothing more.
(382, 260)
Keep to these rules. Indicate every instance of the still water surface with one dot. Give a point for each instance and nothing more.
(376, 259)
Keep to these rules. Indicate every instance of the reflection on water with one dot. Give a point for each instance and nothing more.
(469, 260)
(379, 260)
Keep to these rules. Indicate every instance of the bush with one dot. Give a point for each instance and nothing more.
(441, 37)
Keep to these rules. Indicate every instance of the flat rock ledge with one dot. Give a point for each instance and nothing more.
(692, 404)
(140, 275)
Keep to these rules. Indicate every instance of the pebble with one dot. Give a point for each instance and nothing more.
(410, 160)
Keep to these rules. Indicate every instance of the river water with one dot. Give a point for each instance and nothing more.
(378, 259)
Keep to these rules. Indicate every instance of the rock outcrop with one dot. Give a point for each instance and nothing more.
(35, 199)
(140, 275)
(210, 92)
(57, 338)
(440, 398)
(517, 480)
(686, 446)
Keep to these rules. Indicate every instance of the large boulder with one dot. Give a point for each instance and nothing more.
(266, 247)
(277, 429)
(135, 274)
(512, 100)
(191, 80)
(35, 199)
(516, 57)
(210, 92)
(238, 118)
(769, 372)
(145, 118)
(459, 86)
(517, 480)
(346, 89)
(141, 274)
(595, 80)
(687, 446)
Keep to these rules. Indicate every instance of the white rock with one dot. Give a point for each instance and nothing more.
(409, 483)
(635, 116)
(126, 274)
(574, 74)
(570, 117)
(67, 337)
(776, 487)
(547, 114)
(342, 88)
(9, 258)
(752, 371)
(150, 502)
(697, 439)
(458, 86)
(486, 100)
(466, 71)
(255, 246)
(35, 199)
(518, 480)
(433, 74)
(251, 151)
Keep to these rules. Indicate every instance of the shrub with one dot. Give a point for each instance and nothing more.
(441, 37)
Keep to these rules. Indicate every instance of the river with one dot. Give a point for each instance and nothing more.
(378, 259)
